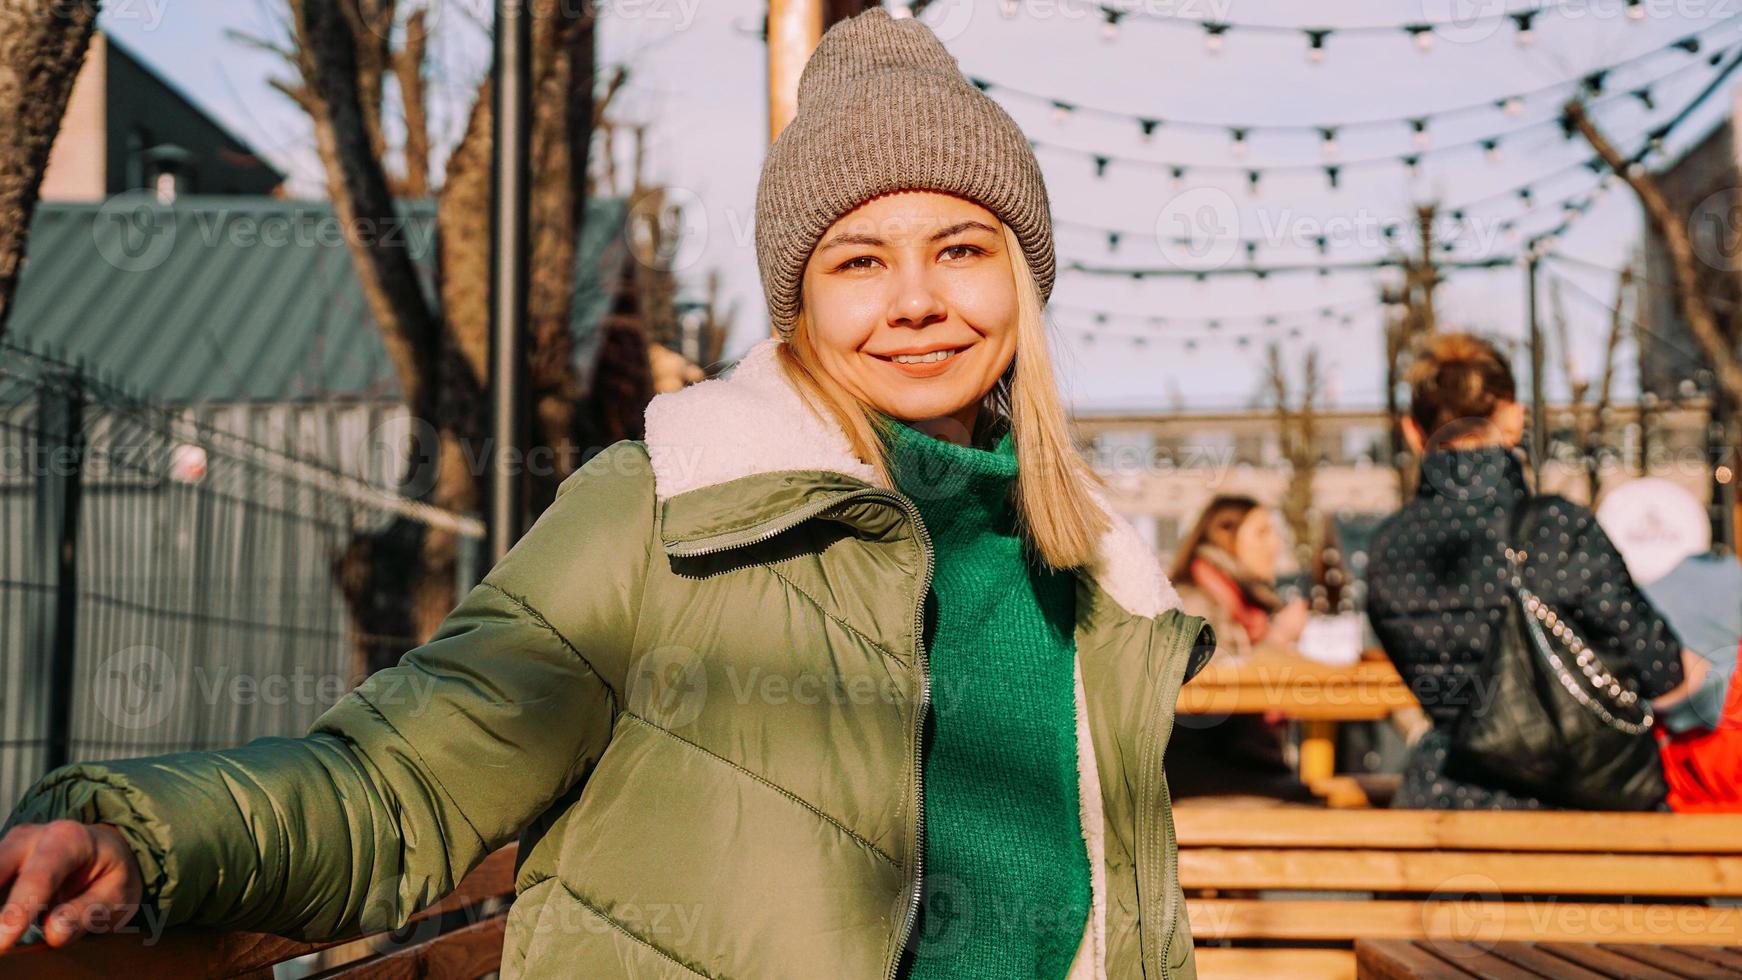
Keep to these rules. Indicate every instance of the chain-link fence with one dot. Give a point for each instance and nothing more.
(167, 573)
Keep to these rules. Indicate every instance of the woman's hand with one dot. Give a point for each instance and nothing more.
(1694, 669)
(1288, 624)
(81, 877)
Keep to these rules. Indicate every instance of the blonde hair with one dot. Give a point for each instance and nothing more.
(1057, 514)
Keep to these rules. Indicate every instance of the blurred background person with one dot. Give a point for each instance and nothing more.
(1437, 593)
(1225, 571)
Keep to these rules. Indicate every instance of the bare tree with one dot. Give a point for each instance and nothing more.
(1590, 422)
(1691, 299)
(1416, 318)
(42, 46)
(399, 582)
(1296, 410)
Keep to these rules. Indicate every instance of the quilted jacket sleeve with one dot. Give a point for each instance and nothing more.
(403, 786)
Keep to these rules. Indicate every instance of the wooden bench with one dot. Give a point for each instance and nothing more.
(458, 938)
(1287, 891)
(1441, 959)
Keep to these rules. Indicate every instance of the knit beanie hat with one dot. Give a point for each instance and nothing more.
(882, 106)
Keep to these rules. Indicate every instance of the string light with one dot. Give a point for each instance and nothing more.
(1418, 127)
(1512, 105)
(1110, 29)
(1423, 35)
(1525, 36)
(1061, 112)
(1328, 144)
(1316, 46)
(1239, 145)
(1213, 36)
(1635, 10)
(1492, 149)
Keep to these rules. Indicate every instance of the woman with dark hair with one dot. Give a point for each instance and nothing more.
(1437, 572)
(1225, 571)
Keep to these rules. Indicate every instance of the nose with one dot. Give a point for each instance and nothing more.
(916, 301)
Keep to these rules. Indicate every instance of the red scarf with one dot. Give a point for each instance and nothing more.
(1220, 586)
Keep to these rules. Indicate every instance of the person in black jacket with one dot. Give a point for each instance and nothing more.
(1437, 568)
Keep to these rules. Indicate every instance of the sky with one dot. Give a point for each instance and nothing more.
(698, 76)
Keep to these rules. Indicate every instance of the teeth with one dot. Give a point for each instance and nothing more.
(936, 355)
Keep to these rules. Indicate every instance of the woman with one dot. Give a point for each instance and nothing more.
(1436, 569)
(850, 637)
(1225, 571)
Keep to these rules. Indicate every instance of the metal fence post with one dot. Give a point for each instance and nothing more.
(61, 440)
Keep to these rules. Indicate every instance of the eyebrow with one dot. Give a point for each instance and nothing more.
(854, 238)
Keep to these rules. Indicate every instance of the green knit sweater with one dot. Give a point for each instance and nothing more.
(1006, 871)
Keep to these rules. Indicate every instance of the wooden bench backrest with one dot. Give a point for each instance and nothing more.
(1321, 879)
(458, 938)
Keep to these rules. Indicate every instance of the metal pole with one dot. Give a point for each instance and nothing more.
(508, 273)
(61, 432)
(1538, 409)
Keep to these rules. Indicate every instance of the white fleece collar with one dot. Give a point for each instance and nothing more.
(751, 420)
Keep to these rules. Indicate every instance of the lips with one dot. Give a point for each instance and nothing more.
(919, 353)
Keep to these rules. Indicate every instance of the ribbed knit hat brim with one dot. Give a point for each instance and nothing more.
(882, 107)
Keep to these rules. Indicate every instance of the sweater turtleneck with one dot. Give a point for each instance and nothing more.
(1006, 871)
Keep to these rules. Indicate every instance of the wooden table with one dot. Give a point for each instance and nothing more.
(1398, 959)
(1317, 695)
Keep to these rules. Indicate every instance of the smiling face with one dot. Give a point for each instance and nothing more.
(1257, 545)
(912, 305)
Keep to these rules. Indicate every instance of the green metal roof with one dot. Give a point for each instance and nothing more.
(240, 299)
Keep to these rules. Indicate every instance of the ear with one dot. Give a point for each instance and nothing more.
(1509, 419)
(1413, 437)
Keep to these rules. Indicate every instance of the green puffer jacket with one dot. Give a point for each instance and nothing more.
(693, 693)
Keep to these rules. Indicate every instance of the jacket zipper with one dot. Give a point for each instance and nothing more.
(792, 520)
(920, 662)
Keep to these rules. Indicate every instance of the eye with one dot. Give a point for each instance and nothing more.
(853, 263)
(966, 250)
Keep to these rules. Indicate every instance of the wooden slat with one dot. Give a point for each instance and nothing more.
(1481, 961)
(1488, 830)
(1533, 957)
(1299, 688)
(1674, 961)
(1479, 872)
(1720, 955)
(210, 954)
(1402, 960)
(1223, 963)
(1544, 921)
(1609, 963)
(463, 954)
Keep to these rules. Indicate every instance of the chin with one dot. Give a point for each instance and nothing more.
(919, 408)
